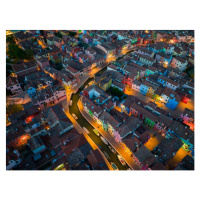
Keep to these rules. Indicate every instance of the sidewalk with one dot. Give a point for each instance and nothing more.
(81, 131)
(129, 160)
(175, 113)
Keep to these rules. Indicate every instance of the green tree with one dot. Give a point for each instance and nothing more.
(13, 108)
(72, 33)
(29, 54)
(58, 35)
(14, 52)
(116, 92)
(41, 32)
(10, 39)
(8, 92)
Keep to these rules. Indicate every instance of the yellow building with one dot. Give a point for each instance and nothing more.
(106, 83)
(150, 92)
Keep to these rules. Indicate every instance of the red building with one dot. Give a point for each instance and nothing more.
(185, 97)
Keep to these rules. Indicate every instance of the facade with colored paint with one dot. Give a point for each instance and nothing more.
(150, 70)
(106, 83)
(31, 91)
(180, 63)
(161, 128)
(156, 97)
(150, 123)
(147, 89)
(144, 89)
(171, 98)
(150, 92)
(168, 49)
(145, 51)
(136, 85)
(147, 60)
(163, 58)
(172, 103)
(185, 97)
(188, 118)
(169, 83)
(185, 134)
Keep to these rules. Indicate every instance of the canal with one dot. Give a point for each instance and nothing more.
(84, 123)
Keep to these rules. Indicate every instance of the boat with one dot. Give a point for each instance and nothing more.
(114, 166)
(96, 132)
(106, 155)
(104, 140)
(112, 149)
(121, 160)
(85, 129)
(99, 147)
(74, 116)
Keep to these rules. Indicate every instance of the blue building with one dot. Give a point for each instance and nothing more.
(161, 79)
(172, 102)
(31, 91)
(144, 89)
(163, 58)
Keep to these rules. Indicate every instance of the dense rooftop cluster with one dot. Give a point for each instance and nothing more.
(144, 100)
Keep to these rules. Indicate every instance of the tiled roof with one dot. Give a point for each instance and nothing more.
(168, 80)
(182, 131)
(143, 154)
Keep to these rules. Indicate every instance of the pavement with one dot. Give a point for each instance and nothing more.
(176, 113)
(180, 154)
(81, 131)
(129, 160)
(118, 147)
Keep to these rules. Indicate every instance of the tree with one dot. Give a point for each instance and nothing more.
(8, 92)
(58, 35)
(10, 39)
(116, 92)
(72, 33)
(13, 108)
(29, 54)
(41, 32)
(14, 52)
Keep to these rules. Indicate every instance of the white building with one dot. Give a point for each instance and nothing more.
(180, 63)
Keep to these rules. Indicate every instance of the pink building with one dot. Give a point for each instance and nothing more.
(13, 85)
(50, 96)
(188, 118)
